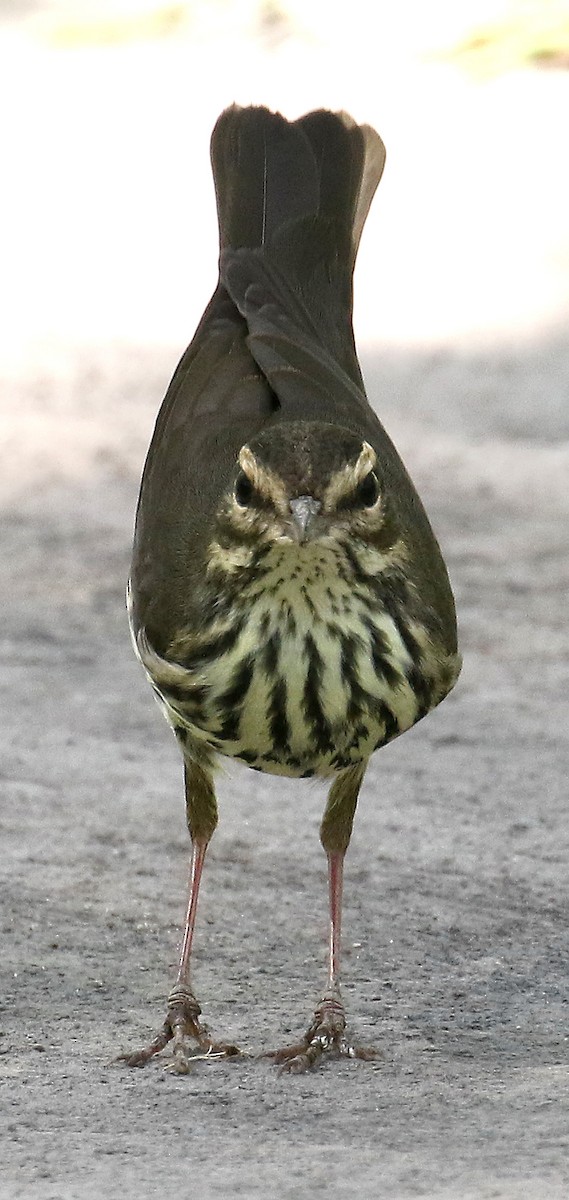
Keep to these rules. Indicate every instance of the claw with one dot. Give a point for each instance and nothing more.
(324, 1039)
(182, 1023)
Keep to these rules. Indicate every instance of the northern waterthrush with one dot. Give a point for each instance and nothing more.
(288, 598)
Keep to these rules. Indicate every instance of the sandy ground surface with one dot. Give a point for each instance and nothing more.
(456, 910)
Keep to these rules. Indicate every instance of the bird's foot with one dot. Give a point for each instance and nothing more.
(326, 1038)
(182, 1027)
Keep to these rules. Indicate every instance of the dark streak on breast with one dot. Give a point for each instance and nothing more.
(230, 703)
(359, 698)
(278, 723)
(215, 647)
(312, 707)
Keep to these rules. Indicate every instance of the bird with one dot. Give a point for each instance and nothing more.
(288, 599)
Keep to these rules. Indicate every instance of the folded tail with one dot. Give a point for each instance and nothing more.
(270, 172)
(292, 199)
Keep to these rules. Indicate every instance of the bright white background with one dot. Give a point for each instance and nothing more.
(108, 228)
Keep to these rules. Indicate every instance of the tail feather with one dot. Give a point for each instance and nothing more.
(264, 173)
(270, 172)
(292, 199)
(350, 161)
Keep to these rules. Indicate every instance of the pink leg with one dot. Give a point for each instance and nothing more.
(182, 1018)
(197, 862)
(328, 1027)
(335, 887)
(183, 1008)
(326, 1032)
(326, 1035)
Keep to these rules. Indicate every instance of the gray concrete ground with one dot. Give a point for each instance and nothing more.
(456, 890)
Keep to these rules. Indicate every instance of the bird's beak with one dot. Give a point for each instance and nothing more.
(303, 510)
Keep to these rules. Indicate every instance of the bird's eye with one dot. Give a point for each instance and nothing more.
(243, 490)
(367, 491)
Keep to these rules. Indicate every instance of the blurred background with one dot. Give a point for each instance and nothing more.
(109, 220)
(108, 232)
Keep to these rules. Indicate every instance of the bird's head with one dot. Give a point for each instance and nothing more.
(303, 484)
